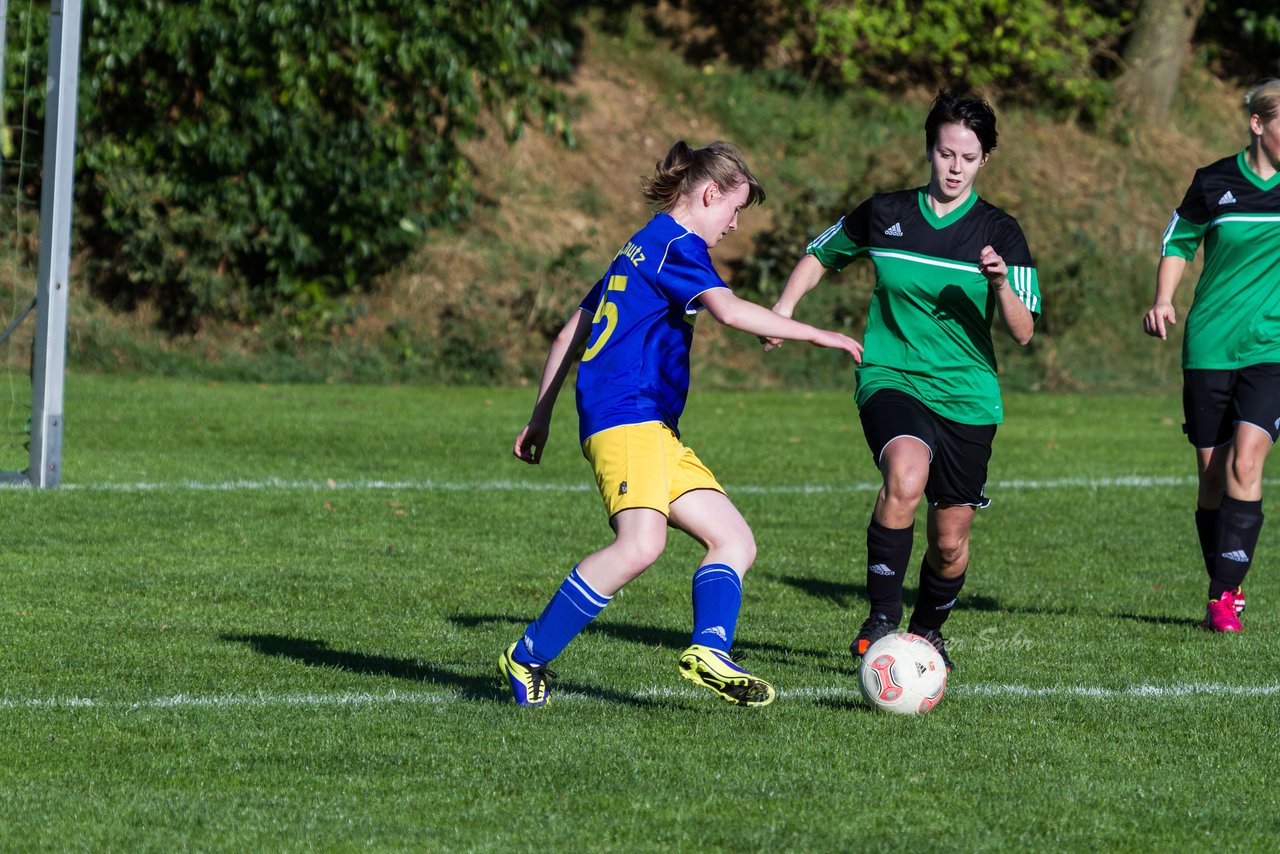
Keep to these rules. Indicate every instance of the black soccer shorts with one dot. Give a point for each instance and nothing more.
(1215, 401)
(958, 453)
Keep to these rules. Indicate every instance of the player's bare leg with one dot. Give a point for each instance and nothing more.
(904, 464)
(949, 528)
(641, 537)
(713, 520)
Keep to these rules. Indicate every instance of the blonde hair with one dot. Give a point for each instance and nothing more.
(1263, 100)
(685, 169)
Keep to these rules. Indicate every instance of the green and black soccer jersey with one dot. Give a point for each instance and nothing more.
(1234, 320)
(929, 327)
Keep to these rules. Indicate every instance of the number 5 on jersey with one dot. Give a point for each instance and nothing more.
(608, 312)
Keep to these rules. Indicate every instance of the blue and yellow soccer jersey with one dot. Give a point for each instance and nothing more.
(1234, 320)
(636, 365)
(929, 325)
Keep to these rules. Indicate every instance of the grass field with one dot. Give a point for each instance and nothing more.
(267, 618)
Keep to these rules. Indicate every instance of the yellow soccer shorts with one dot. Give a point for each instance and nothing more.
(644, 465)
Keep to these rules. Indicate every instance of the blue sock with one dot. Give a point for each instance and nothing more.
(573, 606)
(717, 598)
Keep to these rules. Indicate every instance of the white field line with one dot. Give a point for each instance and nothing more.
(1192, 689)
(262, 700)
(282, 484)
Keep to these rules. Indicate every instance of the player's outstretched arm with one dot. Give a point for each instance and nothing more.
(1161, 315)
(564, 351)
(804, 278)
(755, 319)
(1017, 317)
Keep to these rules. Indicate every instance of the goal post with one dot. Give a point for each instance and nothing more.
(48, 365)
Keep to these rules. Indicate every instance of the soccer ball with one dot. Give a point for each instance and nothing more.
(902, 673)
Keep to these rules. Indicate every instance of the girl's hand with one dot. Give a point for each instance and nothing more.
(1155, 321)
(837, 341)
(991, 265)
(529, 443)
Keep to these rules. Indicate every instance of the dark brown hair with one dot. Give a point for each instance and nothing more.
(973, 113)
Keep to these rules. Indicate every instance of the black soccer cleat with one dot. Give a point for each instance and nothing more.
(935, 637)
(878, 625)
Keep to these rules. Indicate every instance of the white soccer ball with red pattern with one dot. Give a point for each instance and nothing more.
(902, 673)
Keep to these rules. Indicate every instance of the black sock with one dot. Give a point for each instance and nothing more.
(1239, 523)
(937, 597)
(1207, 529)
(888, 553)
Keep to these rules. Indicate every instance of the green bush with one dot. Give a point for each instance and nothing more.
(239, 157)
(1035, 50)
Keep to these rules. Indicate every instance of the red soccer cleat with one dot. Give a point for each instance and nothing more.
(1237, 597)
(1220, 616)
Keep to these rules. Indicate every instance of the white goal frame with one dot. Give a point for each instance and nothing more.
(48, 366)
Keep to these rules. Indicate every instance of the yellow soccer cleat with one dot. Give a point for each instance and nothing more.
(711, 668)
(528, 681)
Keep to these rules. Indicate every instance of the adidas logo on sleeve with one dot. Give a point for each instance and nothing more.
(894, 230)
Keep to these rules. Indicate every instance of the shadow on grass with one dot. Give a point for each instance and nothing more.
(854, 597)
(839, 593)
(470, 686)
(1185, 622)
(643, 635)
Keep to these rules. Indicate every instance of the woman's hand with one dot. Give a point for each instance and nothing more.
(1155, 321)
(991, 265)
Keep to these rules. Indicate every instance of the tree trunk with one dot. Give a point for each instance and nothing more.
(1154, 57)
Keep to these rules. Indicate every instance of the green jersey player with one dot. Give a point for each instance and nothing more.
(1231, 349)
(947, 262)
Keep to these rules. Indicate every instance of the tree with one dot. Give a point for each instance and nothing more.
(1154, 57)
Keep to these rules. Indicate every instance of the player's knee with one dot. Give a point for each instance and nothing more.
(1245, 476)
(905, 490)
(1245, 469)
(952, 556)
(737, 548)
(745, 550)
(645, 555)
(634, 555)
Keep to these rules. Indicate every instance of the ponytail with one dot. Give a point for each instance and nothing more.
(685, 169)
